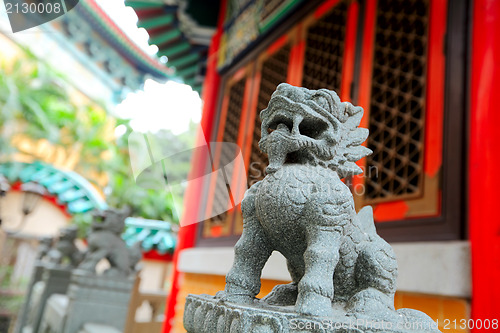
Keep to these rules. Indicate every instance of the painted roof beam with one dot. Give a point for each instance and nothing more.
(156, 22)
(187, 72)
(183, 61)
(173, 51)
(165, 37)
(191, 80)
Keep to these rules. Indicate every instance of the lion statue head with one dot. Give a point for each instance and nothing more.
(302, 126)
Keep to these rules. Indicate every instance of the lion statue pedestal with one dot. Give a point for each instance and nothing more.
(343, 274)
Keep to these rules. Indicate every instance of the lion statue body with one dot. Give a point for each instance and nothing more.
(303, 210)
(105, 242)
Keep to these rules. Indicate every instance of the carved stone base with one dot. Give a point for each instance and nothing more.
(54, 280)
(98, 299)
(207, 314)
(90, 299)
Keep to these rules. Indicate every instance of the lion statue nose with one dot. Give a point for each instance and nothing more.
(278, 141)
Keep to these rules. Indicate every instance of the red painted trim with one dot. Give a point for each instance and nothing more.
(324, 8)
(365, 80)
(240, 73)
(433, 142)
(297, 54)
(217, 153)
(187, 234)
(155, 255)
(254, 98)
(16, 187)
(278, 44)
(484, 159)
(349, 52)
(238, 181)
(395, 210)
(62, 207)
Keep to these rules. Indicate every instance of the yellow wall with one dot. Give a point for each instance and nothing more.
(437, 307)
(45, 220)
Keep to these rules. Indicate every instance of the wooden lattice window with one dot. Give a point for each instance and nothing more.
(325, 50)
(273, 72)
(397, 105)
(220, 225)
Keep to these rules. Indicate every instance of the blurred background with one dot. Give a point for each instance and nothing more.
(72, 91)
(111, 85)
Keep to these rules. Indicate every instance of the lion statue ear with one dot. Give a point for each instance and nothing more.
(125, 211)
(350, 150)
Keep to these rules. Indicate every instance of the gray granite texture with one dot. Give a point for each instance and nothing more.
(341, 269)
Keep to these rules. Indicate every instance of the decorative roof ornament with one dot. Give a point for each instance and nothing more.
(343, 273)
(182, 31)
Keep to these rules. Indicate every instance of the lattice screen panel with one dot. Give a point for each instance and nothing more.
(230, 134)
(274, 71)
(397, 106)
(325, 50)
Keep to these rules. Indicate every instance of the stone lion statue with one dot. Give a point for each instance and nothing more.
(64, 251)
(105, 242)
(303, 210)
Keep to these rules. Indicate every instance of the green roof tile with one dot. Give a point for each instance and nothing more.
(187, 71)
(143, 4)
(152, 234)
(80, 206)
(174, 50)
(52, 179)
(156, 22)
(68, 187)
(187, 59)
(60, 187)
(40, 174)
(27, 172)
(165, 37)
(72, 195)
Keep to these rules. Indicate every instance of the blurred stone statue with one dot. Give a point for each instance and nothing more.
(341, 269)
(64, 251)
(97, 298)
(55, 261)
(44, 246)
(105, 242)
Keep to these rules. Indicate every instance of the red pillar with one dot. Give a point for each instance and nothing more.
(187, 235)
(484, 159)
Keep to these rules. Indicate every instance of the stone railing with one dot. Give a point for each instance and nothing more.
(155, 302)
(69, 294)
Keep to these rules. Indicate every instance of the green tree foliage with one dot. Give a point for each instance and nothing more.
(34, 101)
